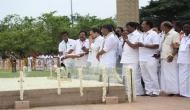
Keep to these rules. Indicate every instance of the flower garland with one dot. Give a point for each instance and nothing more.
(80, 79)
(24, 69)
(131, 89)
(133, 85)
(128, 75)
(21, 85)
(105, 77)
(58, 81)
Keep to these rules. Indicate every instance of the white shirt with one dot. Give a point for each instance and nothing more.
(161, 35)
(130, 55)
(30, 61)
(184, 51)
(110, 44)
(120, 45)
(94, 49)
(150, 38)
(41, 56)
(169, 38)
(78, 50)
(65, 47)
(80, 44)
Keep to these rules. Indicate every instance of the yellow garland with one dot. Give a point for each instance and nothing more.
(24, 69)
(133, 85)
(21, 85)
(128, 75)
(58, 81)
(104, 76)
(80, 79)
(131, 89)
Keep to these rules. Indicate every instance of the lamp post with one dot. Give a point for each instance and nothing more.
(72, 13)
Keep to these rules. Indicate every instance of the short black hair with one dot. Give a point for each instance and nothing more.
(168, 24)
(179, 24)
(149, 23)
(113, 27)
(108, 27)
(186, 22)
(63, 33)
(139, 27)
(132, 24)
(95, 30)
(82, 31)
(121, 28)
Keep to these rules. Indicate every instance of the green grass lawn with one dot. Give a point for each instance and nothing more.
(9, 74)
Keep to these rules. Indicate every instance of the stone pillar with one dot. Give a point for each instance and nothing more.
(127, 10)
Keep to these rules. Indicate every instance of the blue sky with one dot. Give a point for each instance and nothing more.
(34, 8)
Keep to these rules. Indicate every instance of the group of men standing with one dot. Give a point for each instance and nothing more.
(160, 60)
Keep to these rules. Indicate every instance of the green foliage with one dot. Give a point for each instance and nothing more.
(161, 10)
(87, 22)
(27, 35)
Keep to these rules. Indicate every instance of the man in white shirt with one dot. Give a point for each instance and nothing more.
(119, 33)
(148, 45)
(82, 50)
(49, 62)
(130, 54)
(169, 67)
(66, 46)
(30, 58)
(95, 44)
(107, 54)
(184, 62)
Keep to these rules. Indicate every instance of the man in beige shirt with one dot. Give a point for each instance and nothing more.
(169, 68)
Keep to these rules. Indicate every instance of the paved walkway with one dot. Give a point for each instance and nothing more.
(142, 103)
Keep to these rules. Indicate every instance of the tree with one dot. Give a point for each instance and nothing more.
(27, 35)
(161, 10)
(87, 22)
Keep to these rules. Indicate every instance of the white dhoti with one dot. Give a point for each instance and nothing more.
(184, 80)
(119, 66)
(137, 77)
(169, 77)
(159, 73)
(149, 70)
